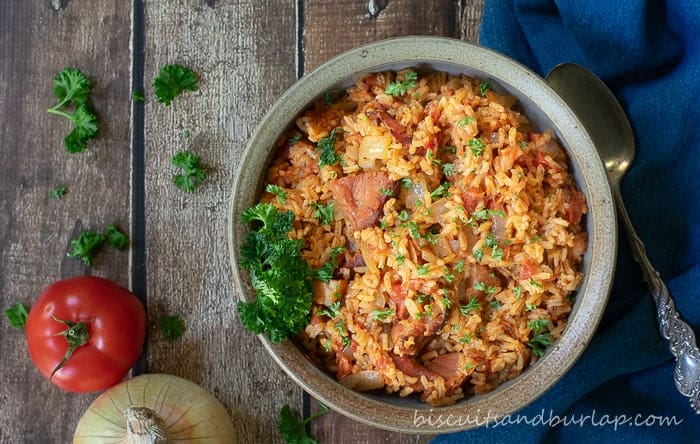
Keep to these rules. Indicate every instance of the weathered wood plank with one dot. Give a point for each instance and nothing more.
(244, 54)
(363, 22)
(36, 42)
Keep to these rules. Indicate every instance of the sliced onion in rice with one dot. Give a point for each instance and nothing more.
(364, 381)
(440, 209)
(415, 193)
(499, 227)
(372, 148)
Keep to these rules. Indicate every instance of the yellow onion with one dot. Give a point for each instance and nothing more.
(156, 408)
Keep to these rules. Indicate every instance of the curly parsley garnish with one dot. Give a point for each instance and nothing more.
(324, 213)
(172, 80)
(293, 429)
(72, 87)
(17, 315)
(86, 245)
(193, 173)
(327, 147)
(473, 305)
(172, 327)
(399, 88)
(278, 272)
(277, 191)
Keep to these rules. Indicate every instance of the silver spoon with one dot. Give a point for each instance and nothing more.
(611, 133)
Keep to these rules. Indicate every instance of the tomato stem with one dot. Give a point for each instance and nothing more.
(77, 334)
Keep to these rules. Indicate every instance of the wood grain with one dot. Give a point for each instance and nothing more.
(333, 27)
(244, 54)
(36, 42)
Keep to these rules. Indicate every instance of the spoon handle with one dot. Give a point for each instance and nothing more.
(679, 334)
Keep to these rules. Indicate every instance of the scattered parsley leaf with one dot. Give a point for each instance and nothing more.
(278, 272)
(406, 182)
(400, 259)
(450, 149)
(277, 191)
(193, 173)
(116, 238)
(530, 307)
(476, 146)
(382, 315)
(86, 245)
(539, 343)
(414, 230)
(517, 291)
(294, 139)
(459, 266)
(465, 121)
(325, 273)
(324, 213)
(172, 80)
(471, 306)
(481, 286)
(172, 327)
(448, 169)
(58, 192)
(537, 325)
(478, 254)
(327, 147)
(17, 315)
(534, 283)
(404, 216)
(137, 96)
(484, 87)
(386, 192)
(293, 429)
(441, 191)
(72, 87)
(328, 98)
(332, 311)
(399, 88)
(466, 339)
(423, 269)
(495, 304)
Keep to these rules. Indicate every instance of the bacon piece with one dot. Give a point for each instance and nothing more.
(471, 198)
(398, 131)
(361, 198)
(576, 207)
(449, 367)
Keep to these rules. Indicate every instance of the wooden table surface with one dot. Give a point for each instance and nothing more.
(246, 53)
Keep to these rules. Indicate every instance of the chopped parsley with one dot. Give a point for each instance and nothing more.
(404, 216)
(450, 149)
(172, 80)
(277, 191)
(478, 254)
(294, 139)
(343, 333)
(484, 87)
(324, 213)
(481, 286)
(529, 306)
(539, 343)
(332, 311)
(116, 238)
(537, 325)
(325, 273)
(465, 121)
(485, 214)
(476, 146)
(534, 283)
(58, 192)
(327, 147)
(399, 88)
(459, 266)
(193, 173)
(17, 315)
(86, 245)
(448, 169)
(406, 182)
(382, 315)
(414, 230)
(495, 304)
(466, 339)
(293, 429)
(449, 277)
(423, 269)
(400, 259)
(328, 98)
(386, 191)
(172, 327)
(471, 306)
(517, 291)
(441, 191)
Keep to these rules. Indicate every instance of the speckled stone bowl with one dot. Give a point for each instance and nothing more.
(546, 110)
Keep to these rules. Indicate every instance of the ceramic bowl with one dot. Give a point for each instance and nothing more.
(546, 110)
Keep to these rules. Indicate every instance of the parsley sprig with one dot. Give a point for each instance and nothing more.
(17, 315)
(172, 80)
(399, 88)
(293, 429)
(327, 147)
(72, 87)
(278, 272)
(193, 173)
(172, 327)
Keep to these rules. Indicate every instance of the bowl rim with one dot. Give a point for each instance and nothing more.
(509, 397)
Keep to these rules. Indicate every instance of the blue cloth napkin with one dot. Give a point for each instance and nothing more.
(648, 53)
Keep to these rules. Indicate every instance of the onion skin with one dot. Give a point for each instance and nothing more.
(186, 411)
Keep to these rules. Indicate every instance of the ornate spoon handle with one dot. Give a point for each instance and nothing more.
(680, 336)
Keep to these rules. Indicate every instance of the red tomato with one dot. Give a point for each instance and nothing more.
(113, 319)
